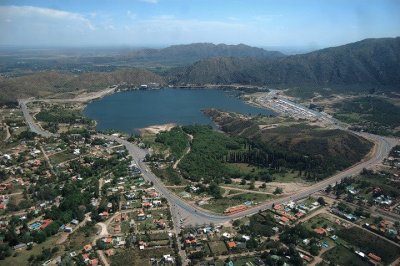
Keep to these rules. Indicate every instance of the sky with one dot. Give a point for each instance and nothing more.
(262, 23)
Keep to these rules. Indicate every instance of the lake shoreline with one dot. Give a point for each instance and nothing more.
(135, 110)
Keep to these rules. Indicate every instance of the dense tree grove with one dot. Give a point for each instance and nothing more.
(175, 139)
(211, 151)
(61, 115)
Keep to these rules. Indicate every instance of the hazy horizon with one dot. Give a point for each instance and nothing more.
(159, 23)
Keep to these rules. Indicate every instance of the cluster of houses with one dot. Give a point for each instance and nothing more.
(385, 228)
(345, 215)
(290, 212)
(20, 165)
(371, 257)
(384, 200)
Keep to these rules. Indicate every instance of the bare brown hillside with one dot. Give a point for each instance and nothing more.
(50, 82)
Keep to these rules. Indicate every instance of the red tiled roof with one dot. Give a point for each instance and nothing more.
(374, 257)
(46, 223)
(231, 244)
(320, 231)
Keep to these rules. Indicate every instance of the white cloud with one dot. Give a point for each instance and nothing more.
(42, 26)
(31, 11)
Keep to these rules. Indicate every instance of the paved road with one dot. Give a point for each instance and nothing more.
(37, 129)
(31, 122)
(200, 216)
(192, 214)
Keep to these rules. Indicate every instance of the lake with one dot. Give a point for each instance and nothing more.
(130, 110)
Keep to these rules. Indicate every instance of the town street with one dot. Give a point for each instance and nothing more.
(192, 215)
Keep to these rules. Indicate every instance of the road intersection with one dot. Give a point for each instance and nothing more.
(189, 214)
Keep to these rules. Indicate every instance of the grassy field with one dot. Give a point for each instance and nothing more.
(320, 221)
(245, 168)
(368, 242)
(23, 255)
(342, 256)
(135, 257)
(79, 238)
(220, 205)
(217, 247)
(62, 157)
(154, 237)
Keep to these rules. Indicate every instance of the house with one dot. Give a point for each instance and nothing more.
(157, 203)
(73, 254)
(246, 238)
(305, 257)
(361, 254)
(189, 242)
(235, 209)
(231, 244)
(161, 224)
(46, 223)
(374, 257)
(94, 262)
(75, 222)
(85, 257)
(87, 247)
(168, 258)
(284, 219)
(320, 231)
(147, 204)
(104, 214)
(227, 235)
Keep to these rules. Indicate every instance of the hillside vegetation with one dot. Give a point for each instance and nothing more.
(371, 62)
(261, 148)
(50, 82)
(372, 114)
(315, 151)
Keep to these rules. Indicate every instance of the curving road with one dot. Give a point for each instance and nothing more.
(31, 122)
(189, 214)
(200, 216)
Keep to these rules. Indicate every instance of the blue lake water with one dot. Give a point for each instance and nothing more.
(131, 110)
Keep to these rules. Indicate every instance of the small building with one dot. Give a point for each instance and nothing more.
(94, 262)
(46, 223)
(75, 222)
(320, 231)
(284, 219)
(374, 257)
(231, 244)
(87, 247)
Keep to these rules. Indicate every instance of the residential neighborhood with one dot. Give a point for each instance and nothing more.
(80, 198)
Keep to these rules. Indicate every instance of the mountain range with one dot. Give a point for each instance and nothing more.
(370, 62)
